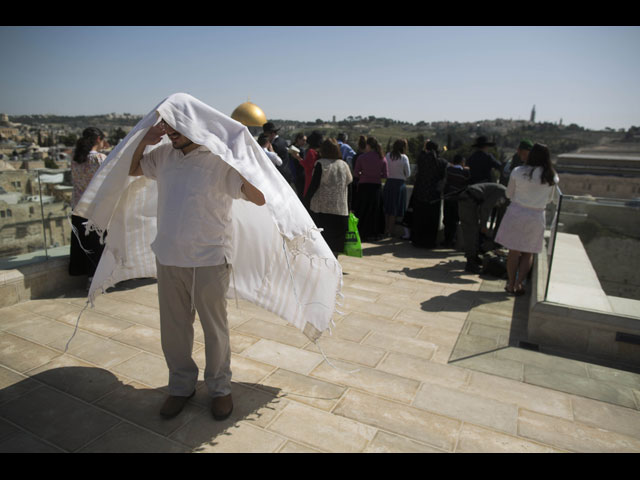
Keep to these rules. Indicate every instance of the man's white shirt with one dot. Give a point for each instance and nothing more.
(195, 193)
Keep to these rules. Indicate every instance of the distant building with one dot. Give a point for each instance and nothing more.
(612, 173)
(533, 114)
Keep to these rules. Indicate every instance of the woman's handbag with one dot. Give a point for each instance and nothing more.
(352, 245)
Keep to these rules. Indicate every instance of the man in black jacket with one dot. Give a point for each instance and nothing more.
(481, 162)
(280, 146)
(474, 207)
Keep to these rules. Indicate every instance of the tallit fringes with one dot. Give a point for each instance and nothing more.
(77, 235)
(76, 328)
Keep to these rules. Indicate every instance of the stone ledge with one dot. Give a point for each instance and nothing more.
(581, 332)
(42, 279)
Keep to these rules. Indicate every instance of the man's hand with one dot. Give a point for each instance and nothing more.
(153, 135)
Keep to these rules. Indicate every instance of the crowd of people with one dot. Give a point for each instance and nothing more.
(484, 199)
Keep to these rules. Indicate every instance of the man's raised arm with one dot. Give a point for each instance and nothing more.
(153, 136)
(252, 193)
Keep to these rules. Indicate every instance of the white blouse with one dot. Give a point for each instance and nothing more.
(529, 192)
(398, 168)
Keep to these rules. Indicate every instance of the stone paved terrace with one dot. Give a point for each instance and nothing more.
(425, 359)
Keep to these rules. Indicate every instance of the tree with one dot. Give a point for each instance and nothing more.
(117, 135)
(50, 163)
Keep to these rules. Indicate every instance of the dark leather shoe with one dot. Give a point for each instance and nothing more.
(173, 405)
(221, 407)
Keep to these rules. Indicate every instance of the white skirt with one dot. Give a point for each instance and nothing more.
(522, 229)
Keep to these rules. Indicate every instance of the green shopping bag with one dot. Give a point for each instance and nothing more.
(352, 245)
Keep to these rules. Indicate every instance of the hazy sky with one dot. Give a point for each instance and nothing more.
(584, 75)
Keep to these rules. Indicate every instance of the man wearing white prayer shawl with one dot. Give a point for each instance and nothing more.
(205, 211)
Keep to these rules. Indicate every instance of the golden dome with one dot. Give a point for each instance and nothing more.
(250, 115)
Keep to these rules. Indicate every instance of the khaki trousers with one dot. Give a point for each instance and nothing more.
(205, 288)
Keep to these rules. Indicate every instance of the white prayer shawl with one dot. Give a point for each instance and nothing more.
(280, 261)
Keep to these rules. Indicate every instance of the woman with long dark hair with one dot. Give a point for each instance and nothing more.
(370, 169)
(394, 194)
(522, 228)
(85, 250)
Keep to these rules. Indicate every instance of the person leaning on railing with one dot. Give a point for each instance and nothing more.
(522, 227)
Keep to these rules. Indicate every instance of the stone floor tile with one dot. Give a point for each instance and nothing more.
(475, 439)
(573, 436)
(601, 373)
(498, 320)
(542, 360)
(96, 322)
(410, 346)
(13, 384)
(359, 294)
(13, 316)
(22, 355)
(283, 356)
(468, 407)
(430, 319)
(250, 406)
(423, 370)
(49, 308)
(145, 368)
(349, 331)
(493, 364)
(468, 346)
(438, 336)
(128, 438)
(527, 396)
(348, 351)
(95, 349)
(605, 415)
(293, 447)
(264, 329)
(380, 324)
(364, 307)
(368, 379)
(58, 418)
(21, 442)
(41, 330)
(565, 382)
(304, 389)
(239, 342)
(241, 438)
(322, 430)
(141, 405)
(249, 371)
(141, 337)
(425, 427)
(76, 378)
(385, 442)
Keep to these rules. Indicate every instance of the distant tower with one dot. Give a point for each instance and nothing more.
(533, 114)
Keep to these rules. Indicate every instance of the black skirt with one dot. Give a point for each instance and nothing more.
(369, 211)
(334, 229)
(80, 262)
(426, 221)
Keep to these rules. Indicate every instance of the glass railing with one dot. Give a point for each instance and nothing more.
(34, 211)
(594, 254)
